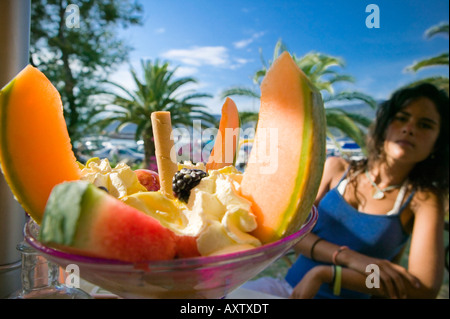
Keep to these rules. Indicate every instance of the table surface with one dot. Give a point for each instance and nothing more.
(240, 293)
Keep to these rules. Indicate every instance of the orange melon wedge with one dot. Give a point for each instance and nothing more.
(285, 165)
(227, 139)
(35, 149)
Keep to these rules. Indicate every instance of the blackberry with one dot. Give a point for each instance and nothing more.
(103, 188)
(184, 180)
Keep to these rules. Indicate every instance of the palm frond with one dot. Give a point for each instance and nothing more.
(323, 72)
(247, 116)
(359, 119)
(341, 78)
(121, 87)
(241, 91)
(258, 75)
(180, 82)
(441, 59)
(280, 47)
(441, 82)
(195, 96)
(157, 89)
(441, 28)
(261, 57)
(339, 120)
(353, 95)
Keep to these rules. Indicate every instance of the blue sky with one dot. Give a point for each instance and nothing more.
(218, 42)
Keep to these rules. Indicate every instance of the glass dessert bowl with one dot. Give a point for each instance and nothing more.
(209, 277)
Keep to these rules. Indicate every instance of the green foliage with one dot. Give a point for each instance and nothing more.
(438, 60)
(77, 59)
(319, 69)
(157, 90)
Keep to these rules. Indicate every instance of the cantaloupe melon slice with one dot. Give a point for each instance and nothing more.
(35, 148)
(286, 162)
(227, 139)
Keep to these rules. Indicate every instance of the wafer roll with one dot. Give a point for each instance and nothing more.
(164, 150)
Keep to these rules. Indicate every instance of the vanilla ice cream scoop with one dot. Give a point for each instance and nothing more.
(119, 181)
(215, 214)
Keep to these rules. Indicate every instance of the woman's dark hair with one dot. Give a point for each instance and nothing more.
(432, 173)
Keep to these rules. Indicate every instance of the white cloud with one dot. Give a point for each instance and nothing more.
(198, 56)
(238, 62)
(160, 30)
(122, 77)
(242, 61)
(183, 71)
(245, 42)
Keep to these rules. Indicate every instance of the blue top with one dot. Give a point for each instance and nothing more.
(379, 236)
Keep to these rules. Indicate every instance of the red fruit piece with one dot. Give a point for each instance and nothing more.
(148, 178)
(186, 247)
(83, 219)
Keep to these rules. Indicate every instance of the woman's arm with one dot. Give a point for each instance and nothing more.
(424, 276)
(426, 253)
(310, 284)
(396, 281)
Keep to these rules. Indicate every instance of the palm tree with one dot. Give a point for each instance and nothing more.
(317, 67)
(441, 59)
(157, 91)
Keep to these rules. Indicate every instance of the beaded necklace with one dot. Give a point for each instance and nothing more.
(379, 193)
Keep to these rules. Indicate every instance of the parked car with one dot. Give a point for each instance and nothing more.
(93, 143)
(120, 154)
(243, 156)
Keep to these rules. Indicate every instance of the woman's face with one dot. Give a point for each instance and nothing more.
(412, 134)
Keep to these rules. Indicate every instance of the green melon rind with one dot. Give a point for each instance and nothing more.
(4, 99)
(301, 205)
(306, 145)
(306, 187)
(63, 219)
(14, 183)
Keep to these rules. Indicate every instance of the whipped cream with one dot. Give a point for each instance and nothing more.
(120, 181)
(215, 214)
(221, 218)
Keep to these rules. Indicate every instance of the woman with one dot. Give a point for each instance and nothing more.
(369, 209)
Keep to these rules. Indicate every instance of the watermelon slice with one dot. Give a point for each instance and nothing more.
(82, 219)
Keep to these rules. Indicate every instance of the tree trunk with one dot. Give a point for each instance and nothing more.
(149, 149)
(68, 76)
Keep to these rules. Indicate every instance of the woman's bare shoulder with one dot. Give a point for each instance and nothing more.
(335, 167)
(335, 164)
(427, 201)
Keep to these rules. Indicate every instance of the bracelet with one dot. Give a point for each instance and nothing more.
(311, 252)
(333, 258)
(337, 280)
(333, 275)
